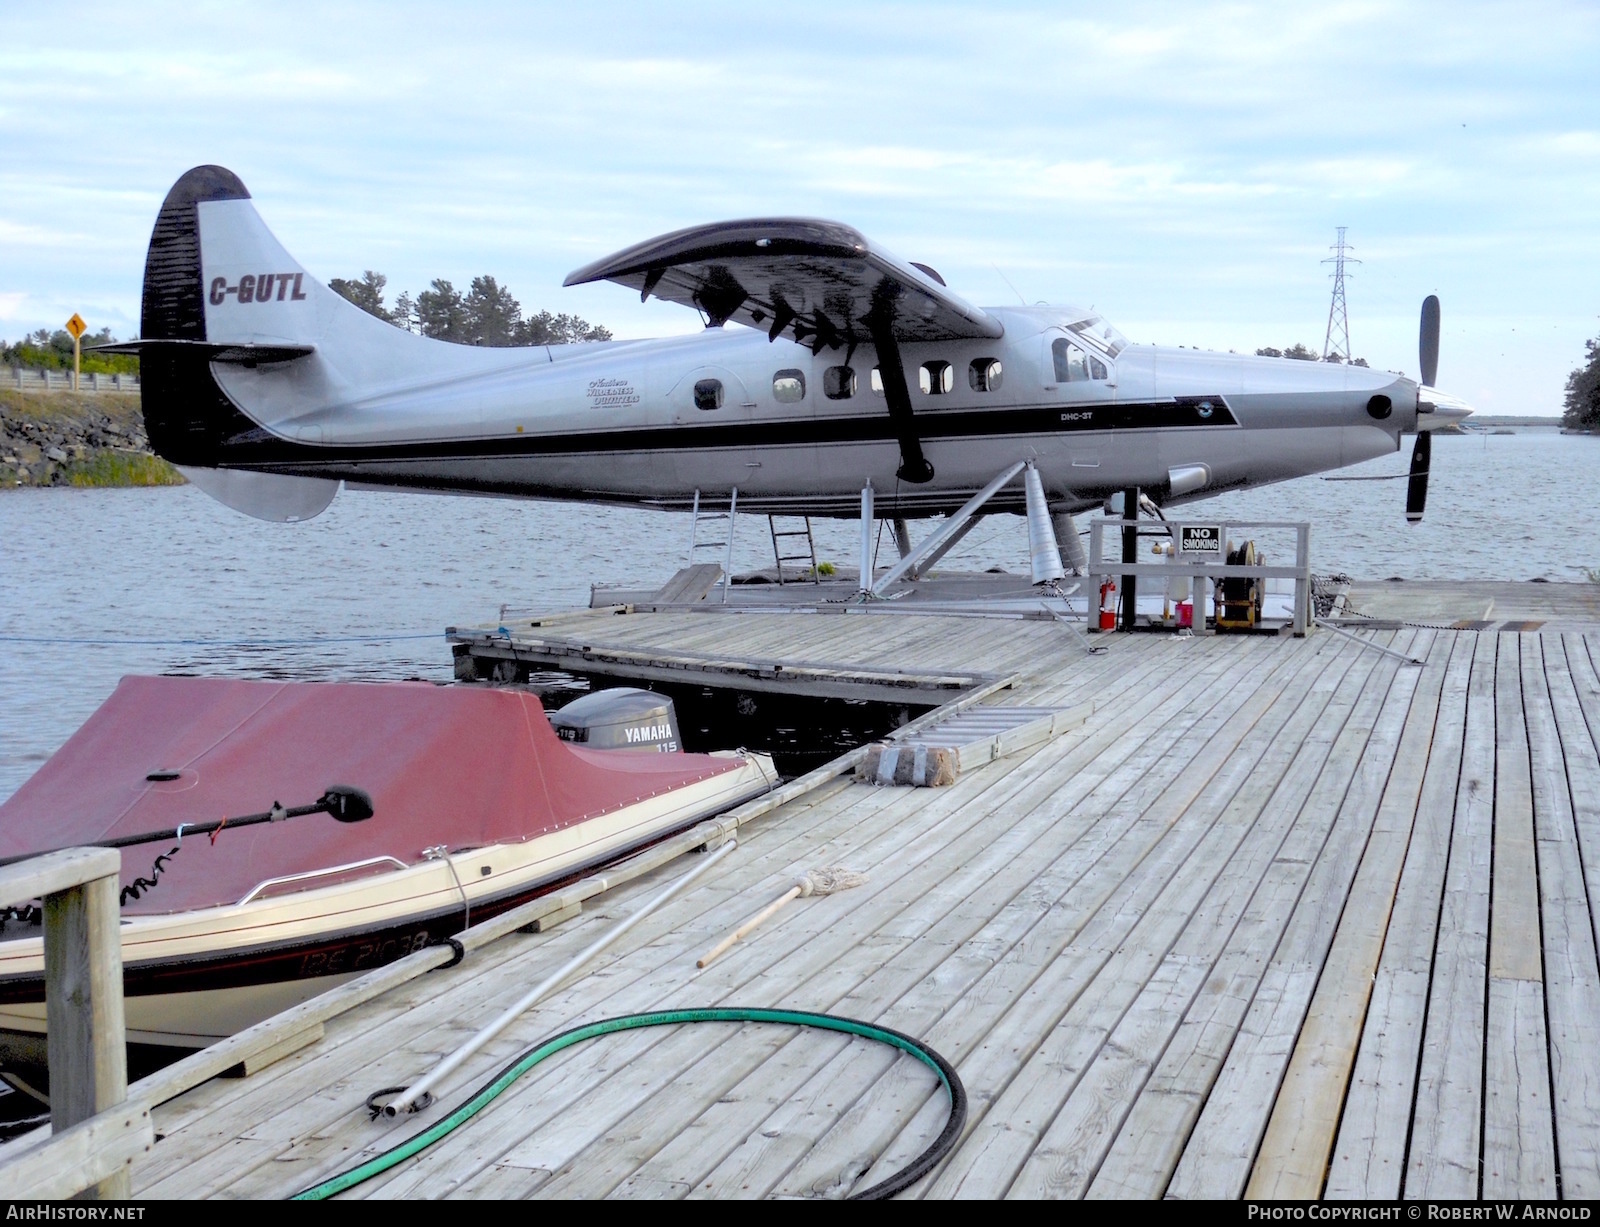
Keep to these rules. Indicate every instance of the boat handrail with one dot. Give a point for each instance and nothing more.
(320, 873)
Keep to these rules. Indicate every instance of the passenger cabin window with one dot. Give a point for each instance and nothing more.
(1073, 365)
(938, 378)
(708, 394)
(789, 387)
(877, 382)
(839, 383)
(984, 374)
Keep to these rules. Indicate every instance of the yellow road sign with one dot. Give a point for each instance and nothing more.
(76, 326)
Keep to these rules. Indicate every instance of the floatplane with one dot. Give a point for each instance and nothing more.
(857, 382)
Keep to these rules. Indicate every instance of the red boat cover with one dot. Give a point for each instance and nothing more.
(456, 765)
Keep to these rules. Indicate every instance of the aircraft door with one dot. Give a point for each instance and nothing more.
(1074, 370)
(1081, 384)
(709, 395)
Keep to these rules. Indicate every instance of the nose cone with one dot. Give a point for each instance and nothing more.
(1438, 410)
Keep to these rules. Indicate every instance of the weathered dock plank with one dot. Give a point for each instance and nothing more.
(1369, 1157)
(1446, 1137)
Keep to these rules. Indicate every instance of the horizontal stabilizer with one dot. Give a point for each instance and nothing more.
(820, 282)
(247, 353)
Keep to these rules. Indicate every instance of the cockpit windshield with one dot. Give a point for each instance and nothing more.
(1100, 335)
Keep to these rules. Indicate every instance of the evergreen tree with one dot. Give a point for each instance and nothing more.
(1582, 408)
(442, 313)
(366, 293)
(404, 314)
(492, 315)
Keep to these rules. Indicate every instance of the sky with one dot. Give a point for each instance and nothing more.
(1179, 167)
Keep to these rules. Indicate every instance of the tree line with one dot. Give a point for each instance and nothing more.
(486, 314)
(1305, 354)
(43, 348)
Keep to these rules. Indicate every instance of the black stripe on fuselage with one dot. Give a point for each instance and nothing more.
(1186, 411)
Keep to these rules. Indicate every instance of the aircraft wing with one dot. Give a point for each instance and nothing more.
(821, 282)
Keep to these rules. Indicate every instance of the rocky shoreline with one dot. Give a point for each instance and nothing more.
(77, 439)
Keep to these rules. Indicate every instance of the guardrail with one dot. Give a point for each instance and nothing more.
(37, 379)
(1202, 569)
(95, 1132)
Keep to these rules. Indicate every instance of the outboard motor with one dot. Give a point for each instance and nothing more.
(625, 718)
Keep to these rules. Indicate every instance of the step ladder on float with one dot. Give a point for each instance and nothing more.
(712, 518)
(784, 538)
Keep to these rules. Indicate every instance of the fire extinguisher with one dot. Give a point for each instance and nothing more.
(1108, 605)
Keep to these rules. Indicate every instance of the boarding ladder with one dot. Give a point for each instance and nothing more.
(726, 518)
(783, 538)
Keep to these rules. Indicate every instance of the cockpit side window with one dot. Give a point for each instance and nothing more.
(1073, 365)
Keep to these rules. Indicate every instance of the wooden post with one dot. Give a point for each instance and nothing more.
(86, 1040)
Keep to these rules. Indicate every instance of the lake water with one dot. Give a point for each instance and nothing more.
(95, 584)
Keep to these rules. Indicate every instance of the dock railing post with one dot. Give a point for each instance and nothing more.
(727, 565)
(86, 1039)
(1302, 581)
(94, 1132)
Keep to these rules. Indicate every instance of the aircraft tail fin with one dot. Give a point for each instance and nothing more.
(220, 288)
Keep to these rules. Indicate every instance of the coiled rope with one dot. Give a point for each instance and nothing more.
(491, 1090)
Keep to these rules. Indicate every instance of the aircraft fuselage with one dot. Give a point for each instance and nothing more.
(619, 421)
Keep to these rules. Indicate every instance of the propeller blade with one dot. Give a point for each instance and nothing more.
(1428, 340)
(1421, 457)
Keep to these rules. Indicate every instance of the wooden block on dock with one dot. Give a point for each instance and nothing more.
(289, 1044)
(547, 922)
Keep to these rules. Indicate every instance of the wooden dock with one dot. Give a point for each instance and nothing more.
(1278, 918)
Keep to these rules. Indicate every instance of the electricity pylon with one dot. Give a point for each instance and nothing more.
(1338, 313)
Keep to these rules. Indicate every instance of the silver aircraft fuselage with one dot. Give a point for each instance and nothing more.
(618, 421)
(270, 389)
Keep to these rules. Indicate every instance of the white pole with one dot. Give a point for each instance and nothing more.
(868, 521)
(452, 1062)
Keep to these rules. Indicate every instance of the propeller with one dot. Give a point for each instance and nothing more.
(1422, 450)
(1428, 340)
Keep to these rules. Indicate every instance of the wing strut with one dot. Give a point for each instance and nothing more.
(914, 466)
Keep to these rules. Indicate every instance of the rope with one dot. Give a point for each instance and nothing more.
(140, 885)
(491, 1090)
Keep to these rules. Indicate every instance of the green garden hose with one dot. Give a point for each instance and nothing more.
(492, 1089)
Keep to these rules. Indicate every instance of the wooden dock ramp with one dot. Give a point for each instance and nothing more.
(1279, 918)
